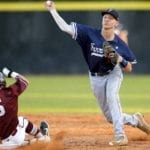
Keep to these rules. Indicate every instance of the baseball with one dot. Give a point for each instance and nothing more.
(48, 2)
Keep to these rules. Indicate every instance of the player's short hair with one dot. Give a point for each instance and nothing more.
(2, 80)
(112, 12)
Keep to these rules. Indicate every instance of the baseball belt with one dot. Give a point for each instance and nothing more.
(99, 73)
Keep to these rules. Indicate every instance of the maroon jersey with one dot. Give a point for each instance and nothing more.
(9, 106)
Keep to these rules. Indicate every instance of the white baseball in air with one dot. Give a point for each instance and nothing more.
(48, 2)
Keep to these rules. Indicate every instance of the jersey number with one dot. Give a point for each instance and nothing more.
(2, 110)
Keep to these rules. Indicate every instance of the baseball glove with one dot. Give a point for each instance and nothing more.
(110, 53)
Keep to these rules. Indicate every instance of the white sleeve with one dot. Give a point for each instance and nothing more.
(68, 28)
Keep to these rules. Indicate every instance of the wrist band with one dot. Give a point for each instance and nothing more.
(14, 74)
(124, 63)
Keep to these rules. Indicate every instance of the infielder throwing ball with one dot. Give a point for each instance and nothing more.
(13, 128)
(106, 56)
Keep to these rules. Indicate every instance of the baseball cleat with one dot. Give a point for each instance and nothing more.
(44, 127)
(142, 125)
(119, 141)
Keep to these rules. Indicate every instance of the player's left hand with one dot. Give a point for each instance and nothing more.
(110, 53)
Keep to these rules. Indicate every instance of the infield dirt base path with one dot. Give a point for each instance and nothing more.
(85, 132)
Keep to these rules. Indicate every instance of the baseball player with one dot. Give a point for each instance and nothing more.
(106, 56)
(13, 128)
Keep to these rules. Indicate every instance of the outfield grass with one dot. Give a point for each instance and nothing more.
(72, 94)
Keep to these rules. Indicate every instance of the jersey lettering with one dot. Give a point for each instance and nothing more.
(96, 51)
(2, 110)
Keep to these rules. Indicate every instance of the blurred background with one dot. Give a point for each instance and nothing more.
(31, 42)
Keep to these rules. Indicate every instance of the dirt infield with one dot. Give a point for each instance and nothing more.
(85, 132)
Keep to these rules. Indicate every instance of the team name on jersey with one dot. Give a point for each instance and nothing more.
(96, 51)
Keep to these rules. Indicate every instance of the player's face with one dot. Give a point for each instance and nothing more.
(109, 22)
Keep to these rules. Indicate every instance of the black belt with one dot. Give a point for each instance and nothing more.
(99, 73)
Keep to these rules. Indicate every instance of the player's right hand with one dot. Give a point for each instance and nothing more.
(49, 5)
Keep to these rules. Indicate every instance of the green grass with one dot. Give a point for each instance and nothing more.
(72, 94)
(135, 93)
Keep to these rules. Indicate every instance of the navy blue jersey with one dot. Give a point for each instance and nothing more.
(91, 42)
